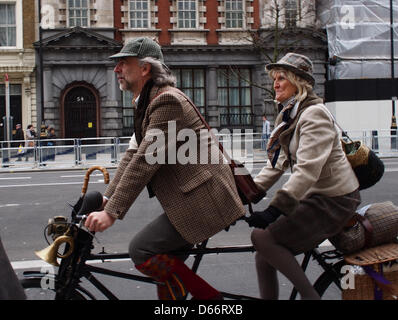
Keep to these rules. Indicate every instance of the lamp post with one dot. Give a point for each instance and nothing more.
(41, 114)
(7, 127)
(393, 95)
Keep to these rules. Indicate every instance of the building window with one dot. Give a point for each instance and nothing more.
(187, 14)
(192, 83)
(128, 113)
(8, 26)
(139, 14)
(78, 13)
(290, 13)
(234, 13)
(234, 96)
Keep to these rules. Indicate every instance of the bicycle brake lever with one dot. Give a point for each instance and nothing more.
(83, 218)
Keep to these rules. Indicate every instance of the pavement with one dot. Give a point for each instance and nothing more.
(68, 162)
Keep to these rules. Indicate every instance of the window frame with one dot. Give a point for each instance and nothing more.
(68, 10)
(127, 113)
(148, 11)
(228, 122)
(291, 13)
(18, 24)
(178, 73)
(196, 14)
(235, 11)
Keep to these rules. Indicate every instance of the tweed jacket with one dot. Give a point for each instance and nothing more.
(199, 199)
(318, 162)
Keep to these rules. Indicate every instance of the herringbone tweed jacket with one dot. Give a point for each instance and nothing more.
(199, 199)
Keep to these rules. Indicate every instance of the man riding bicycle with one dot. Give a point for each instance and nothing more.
(199, 199)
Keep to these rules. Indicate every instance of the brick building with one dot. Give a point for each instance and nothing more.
(17, 59)
(207, 43)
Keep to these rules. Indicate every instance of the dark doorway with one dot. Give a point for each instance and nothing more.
(15, 108)
(80, 113)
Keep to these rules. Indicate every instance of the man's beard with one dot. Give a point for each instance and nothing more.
(124, 85)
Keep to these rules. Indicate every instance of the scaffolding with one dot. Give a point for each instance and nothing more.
(360, 38)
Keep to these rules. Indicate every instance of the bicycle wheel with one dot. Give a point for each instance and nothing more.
(328, 283)
(35, 290)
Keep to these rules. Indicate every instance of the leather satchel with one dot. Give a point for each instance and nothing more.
(379, 225)
(367, 166)
(248, 190)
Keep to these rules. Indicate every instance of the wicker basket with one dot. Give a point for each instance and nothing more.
(365, 287)
(378, 258)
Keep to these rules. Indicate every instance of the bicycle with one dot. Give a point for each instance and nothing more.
(78, 243)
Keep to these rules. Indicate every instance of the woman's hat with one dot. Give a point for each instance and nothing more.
(297, 63)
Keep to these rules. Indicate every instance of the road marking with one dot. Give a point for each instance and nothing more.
(46, 184)
(28, 264)
(81, 176)
(9, 205)
(16, 178)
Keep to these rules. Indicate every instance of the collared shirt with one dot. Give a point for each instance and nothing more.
(133, 145)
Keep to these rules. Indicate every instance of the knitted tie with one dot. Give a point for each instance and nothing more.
(274, 146)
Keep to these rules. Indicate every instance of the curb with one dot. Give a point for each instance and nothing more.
(107, 166)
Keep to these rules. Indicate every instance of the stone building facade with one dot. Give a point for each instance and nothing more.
(208, 44)
(17, 59)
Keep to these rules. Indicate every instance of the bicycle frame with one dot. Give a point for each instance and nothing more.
(73, 267)
(198, 252)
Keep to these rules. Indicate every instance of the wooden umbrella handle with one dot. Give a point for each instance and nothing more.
(87, 176)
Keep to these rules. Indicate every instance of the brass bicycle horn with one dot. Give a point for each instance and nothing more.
(50, 253)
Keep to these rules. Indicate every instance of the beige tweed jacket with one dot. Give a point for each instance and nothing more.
(199, 199)
(319, 165)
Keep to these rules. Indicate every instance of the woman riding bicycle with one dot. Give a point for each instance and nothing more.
(320, 196)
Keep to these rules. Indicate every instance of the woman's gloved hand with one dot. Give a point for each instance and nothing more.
(262, 219)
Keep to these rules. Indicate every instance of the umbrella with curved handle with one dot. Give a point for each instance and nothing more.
(87, 177)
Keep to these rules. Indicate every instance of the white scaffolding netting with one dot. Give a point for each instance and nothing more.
(359, 36)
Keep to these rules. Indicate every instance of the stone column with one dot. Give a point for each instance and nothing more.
(212, 98)
(111, 111)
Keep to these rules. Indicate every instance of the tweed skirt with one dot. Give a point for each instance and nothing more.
(317, 218)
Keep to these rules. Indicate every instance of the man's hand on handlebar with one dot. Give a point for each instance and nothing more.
(99, 221)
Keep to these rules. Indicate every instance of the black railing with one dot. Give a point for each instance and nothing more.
(236, 120)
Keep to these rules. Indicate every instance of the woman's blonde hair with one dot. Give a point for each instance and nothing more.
(302, 85)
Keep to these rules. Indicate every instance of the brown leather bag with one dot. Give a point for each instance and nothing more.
(248, 191)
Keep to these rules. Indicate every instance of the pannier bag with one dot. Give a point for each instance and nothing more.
(377, 226)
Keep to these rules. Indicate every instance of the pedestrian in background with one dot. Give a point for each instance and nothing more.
(19, 143)
(51, 143)
(30, 137)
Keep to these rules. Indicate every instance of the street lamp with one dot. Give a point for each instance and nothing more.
(41, 114)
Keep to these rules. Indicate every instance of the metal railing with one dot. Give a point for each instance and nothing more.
(107, 151)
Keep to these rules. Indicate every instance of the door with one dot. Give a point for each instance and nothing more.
(80, 113)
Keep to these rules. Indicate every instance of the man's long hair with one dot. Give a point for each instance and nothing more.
(161, 75)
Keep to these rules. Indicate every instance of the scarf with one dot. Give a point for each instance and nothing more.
(139, 115)
(285, 125)
(274, 146)
(142, 105)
